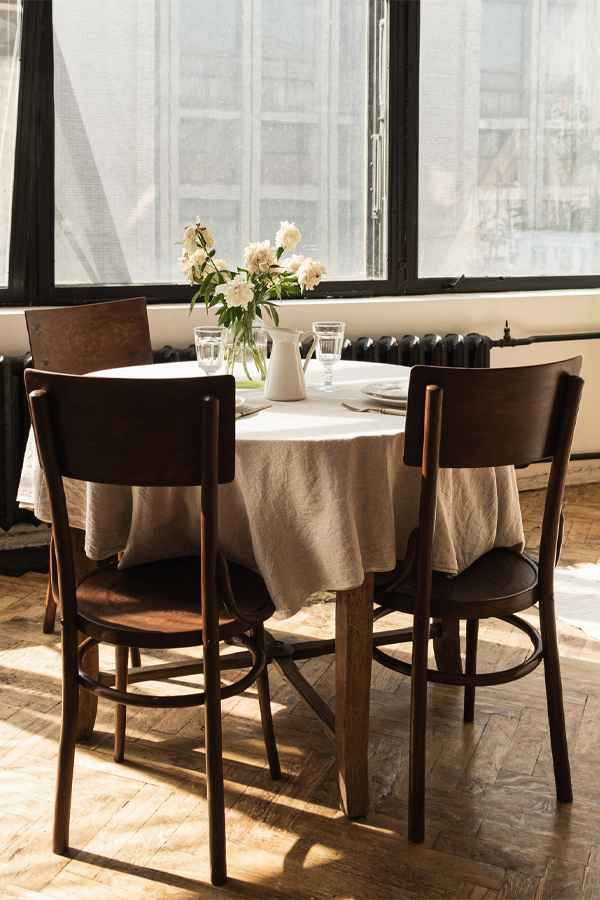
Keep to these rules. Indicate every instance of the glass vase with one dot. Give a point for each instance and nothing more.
(246, 353)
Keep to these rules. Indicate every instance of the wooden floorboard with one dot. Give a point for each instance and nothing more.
(139, 829)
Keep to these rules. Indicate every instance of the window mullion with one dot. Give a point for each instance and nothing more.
(25, 173)
(41, 259)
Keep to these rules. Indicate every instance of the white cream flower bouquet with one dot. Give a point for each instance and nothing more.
(242, 295)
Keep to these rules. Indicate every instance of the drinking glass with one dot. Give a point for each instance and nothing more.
(210, 343)
(329, 350)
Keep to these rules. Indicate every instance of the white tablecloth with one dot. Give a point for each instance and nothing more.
(320, 497)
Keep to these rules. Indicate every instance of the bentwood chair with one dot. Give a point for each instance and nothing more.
(172, 432)
(472, 418)
(76, 340)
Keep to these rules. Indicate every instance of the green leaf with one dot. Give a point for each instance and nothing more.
(206, 282)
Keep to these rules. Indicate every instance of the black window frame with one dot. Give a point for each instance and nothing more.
(31, 252)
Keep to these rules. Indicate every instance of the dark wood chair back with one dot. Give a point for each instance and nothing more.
(479, 418)
(76, 340)
(131, 431)
(491, 417)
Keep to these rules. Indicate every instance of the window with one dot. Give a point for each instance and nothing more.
(245, 111)
(441, 145)
(509, 139)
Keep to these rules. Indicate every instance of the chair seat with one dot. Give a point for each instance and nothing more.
(499, 583)
(158, 604)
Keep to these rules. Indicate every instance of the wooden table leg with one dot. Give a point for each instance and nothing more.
(353, 639)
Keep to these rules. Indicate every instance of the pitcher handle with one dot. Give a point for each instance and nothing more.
(312, 349)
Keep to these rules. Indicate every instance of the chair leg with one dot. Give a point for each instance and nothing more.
(418, 731)
(264, 700)
(471, 667)
(554, 699)
(51, 594)
(214, 764)
(66, 745)
(136, 657)
(121, 656)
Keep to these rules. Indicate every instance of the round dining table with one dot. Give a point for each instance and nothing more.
(321, 500)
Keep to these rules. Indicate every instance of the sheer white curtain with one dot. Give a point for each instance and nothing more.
(509, 147)
(245, 112)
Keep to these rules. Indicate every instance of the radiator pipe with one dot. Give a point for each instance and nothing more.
(509, 341)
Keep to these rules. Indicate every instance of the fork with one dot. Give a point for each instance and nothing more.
(386, 412)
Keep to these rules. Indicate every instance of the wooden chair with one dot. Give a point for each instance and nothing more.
(472, 418)
(170, 432)
(76, 340)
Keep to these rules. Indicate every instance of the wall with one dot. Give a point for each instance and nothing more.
(527, 313)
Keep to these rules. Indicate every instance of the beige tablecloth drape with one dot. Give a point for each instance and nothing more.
(321, 496)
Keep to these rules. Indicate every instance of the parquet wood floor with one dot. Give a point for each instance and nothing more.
(494, 829)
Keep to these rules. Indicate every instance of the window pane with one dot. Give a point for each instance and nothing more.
(10, 45)
(245, 112)
(509, 144)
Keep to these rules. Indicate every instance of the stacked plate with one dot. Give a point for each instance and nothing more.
(388, 393)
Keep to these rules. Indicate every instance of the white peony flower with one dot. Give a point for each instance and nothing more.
(309, 274)
(288, 236)
(292, 263)
(258, 257)
(199, 256)
(207, 234)
(237, 292)
(186, 266)
(188, 241)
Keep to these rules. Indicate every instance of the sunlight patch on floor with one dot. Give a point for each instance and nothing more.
(577, 597)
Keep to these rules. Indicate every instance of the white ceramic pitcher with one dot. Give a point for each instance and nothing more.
(285, 373)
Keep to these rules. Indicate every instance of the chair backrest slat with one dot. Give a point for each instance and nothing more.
(135, 431)
(491, 417)
(76, 340)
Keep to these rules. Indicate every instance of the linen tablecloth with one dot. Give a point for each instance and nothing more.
(321, 496)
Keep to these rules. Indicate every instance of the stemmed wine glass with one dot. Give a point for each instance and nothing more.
(210, 343)
(329, 350)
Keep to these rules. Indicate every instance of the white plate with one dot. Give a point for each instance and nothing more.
(239, 401)
(389, 393)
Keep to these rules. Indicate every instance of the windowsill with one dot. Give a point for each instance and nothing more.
(528, 312)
